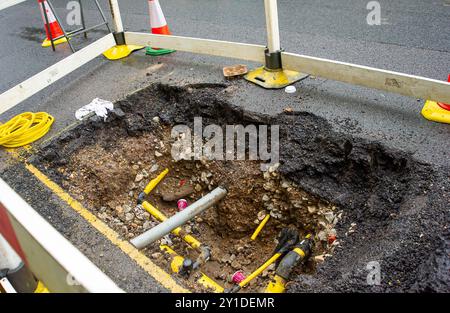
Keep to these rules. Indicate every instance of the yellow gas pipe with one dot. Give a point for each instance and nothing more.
(190, 240)
(259, 270)
(296, 256)
(260, 227)
(151, 185)
(177, 263)
(155, 181)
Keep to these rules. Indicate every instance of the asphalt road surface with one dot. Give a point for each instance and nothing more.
(414, 38)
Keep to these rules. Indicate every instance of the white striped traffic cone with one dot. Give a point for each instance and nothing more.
(158, 26)
(52, 26)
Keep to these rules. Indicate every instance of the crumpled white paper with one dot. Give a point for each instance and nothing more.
(99, 106)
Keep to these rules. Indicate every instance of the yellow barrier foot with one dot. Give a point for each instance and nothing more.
(434, 112)
(120, 51)
(47, 43)
(274, 79)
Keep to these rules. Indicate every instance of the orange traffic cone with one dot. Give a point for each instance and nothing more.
(158, 25)
(52, 26)
(437, 111)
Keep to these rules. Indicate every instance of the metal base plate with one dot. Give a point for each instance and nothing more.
(152, 51)
(274, 79)
(120, 51)
(433, 112)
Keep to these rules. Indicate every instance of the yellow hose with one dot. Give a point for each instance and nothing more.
(24, 129)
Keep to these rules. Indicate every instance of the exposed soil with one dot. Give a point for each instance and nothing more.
(108, 175)
(391, 208)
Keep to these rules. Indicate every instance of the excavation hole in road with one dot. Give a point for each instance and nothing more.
(107, 174)
(379, 202)
(108, 179)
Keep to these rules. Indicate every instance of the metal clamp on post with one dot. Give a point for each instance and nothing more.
(119, 38)
(273, 60)
(121, 49)
(272, 75)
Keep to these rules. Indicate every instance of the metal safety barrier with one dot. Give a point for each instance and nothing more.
(394, 82)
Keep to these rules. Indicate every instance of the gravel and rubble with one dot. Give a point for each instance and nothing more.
(226, 228)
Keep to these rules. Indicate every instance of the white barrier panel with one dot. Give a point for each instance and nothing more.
(50, 257)
(404, 84)
(235, 50)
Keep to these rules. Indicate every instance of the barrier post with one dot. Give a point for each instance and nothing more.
(121, 49)
(272, 75)
(273, 31)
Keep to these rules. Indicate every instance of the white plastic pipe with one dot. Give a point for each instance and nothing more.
(117, 19)
(179, 219)
(273, 31)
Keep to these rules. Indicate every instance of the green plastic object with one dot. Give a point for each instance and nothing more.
(151, 51)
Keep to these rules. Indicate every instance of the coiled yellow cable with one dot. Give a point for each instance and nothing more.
(24, 129)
